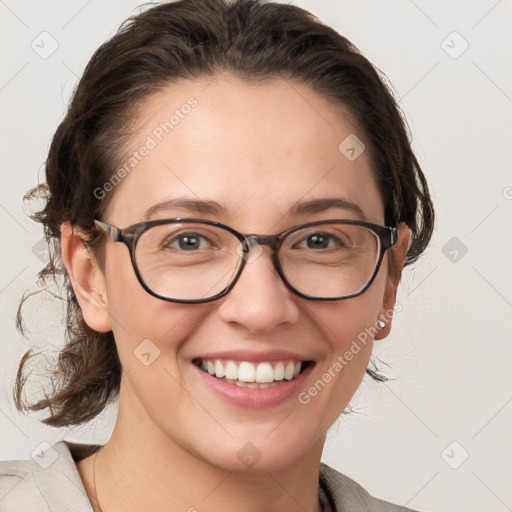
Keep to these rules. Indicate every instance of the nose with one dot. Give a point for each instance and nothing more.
(259, 301)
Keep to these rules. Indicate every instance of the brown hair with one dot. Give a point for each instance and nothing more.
(186, 39)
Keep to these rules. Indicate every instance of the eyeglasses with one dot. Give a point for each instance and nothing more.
(193, 261)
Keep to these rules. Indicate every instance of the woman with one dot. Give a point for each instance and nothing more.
(232, 196)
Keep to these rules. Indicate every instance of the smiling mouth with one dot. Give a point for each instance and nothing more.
(262, 375)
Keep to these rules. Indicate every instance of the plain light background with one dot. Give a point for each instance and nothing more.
(437, 437)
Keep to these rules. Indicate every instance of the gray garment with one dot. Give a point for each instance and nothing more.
(51, 483)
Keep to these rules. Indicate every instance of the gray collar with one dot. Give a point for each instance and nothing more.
(59, 483)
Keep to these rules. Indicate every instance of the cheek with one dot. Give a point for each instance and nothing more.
(144, 323)
(149, 335)
(345, 321)
(348, 328)
(146, 328)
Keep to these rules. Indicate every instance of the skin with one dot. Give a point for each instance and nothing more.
(256, 149)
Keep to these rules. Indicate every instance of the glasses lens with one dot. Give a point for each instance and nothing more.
(330, 260)
(187, 261)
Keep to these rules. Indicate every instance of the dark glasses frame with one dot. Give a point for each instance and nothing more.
(130, 235)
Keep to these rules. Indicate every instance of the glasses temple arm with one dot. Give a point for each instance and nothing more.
(112, 231)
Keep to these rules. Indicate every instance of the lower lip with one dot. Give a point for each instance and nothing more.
(255, 397)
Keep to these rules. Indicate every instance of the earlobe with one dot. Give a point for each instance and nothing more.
(86, 278)
(399, 253)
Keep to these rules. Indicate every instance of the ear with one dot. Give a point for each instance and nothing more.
(86, 278)
(398, 253)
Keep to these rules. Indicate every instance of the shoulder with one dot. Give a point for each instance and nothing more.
(16, 486)
(343, 493)
(49, 481)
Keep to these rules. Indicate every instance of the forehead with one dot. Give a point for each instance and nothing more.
(255, 148)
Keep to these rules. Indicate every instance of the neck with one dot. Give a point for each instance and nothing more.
(141, 468)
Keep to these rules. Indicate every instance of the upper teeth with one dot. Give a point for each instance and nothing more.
(246, 371)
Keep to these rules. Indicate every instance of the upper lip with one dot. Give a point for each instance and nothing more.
(254, 356)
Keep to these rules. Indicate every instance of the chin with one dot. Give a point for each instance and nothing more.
(255, 452)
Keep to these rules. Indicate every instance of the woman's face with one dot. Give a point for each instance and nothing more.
(257, 150)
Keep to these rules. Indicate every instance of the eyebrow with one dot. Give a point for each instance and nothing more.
(322, 204)
(195, 205)
(213, 208)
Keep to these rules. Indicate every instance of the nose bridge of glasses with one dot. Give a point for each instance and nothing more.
(254, 239)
